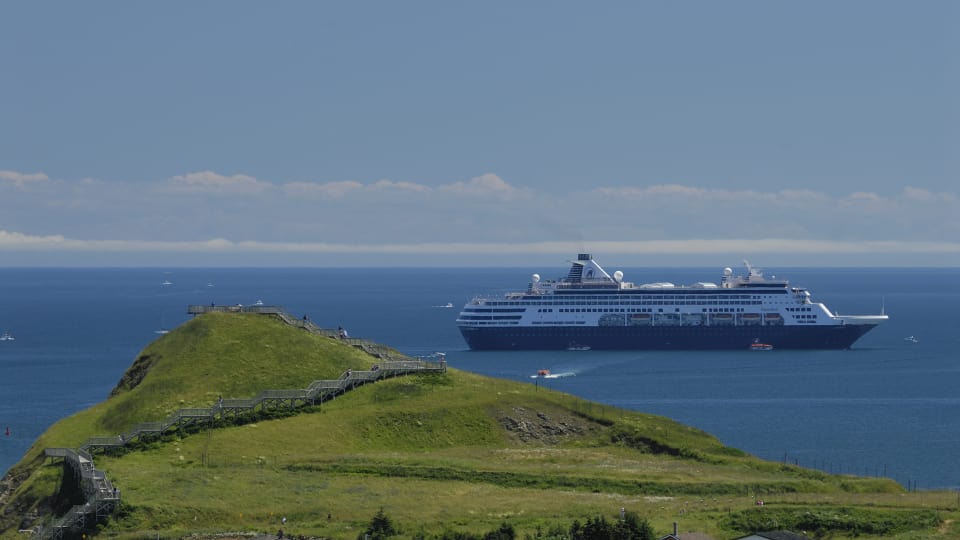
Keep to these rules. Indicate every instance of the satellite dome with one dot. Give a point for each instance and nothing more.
(728, 271)
(618, 275)
(535, 278)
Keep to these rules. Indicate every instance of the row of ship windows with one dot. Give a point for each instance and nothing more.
(594, 310)
(635, 310)
(692, 303)
(521, 310)
(646, 301)
(661, 296)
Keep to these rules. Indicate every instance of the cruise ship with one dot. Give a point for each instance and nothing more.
(594, 310)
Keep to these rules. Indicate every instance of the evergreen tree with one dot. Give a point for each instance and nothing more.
(380, 527)
(633, 528)
(595, 529)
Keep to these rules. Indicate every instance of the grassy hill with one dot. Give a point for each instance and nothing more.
(439, 452)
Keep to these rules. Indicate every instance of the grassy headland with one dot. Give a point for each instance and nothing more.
(454, 451)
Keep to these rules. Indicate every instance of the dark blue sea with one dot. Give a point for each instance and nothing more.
(887, 407)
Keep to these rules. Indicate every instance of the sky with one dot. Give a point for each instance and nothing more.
(495, 133)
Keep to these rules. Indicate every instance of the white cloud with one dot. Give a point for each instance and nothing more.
(682, 195)
(801, 195)
(866, 202)
(339, 190)
(864, 196)
(18, 241)
(407, 217)
(20, 179)
(925, 195)
(401, 186)
(332, 190)
(211, 182)
(917, 194)
(682, 192)
(486, 186)
(483, 186)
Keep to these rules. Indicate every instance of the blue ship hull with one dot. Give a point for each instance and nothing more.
(663, 337)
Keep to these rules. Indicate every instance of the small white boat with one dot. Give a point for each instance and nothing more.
(577, 347)
(7, 336)
(545, 374)
(757, 346)
(161, 331)
(166, 283)
(911, 339)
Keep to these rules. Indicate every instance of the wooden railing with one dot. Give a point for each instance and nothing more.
(101, 498)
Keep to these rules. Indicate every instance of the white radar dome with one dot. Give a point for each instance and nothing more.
(728, 271)
(535, 278)
(618, 275)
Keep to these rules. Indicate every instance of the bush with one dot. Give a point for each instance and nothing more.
(875, 522)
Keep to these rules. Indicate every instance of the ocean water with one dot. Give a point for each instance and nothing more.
(887, 407)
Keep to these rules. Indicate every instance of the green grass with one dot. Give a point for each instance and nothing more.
(456, 451)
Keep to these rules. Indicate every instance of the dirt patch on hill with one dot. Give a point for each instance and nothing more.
(530, 426)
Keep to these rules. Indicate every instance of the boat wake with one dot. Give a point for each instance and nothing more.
(546, 374)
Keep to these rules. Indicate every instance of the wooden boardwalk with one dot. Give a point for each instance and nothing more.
(101, 498)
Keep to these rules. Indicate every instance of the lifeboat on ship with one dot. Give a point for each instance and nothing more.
(721, 318)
